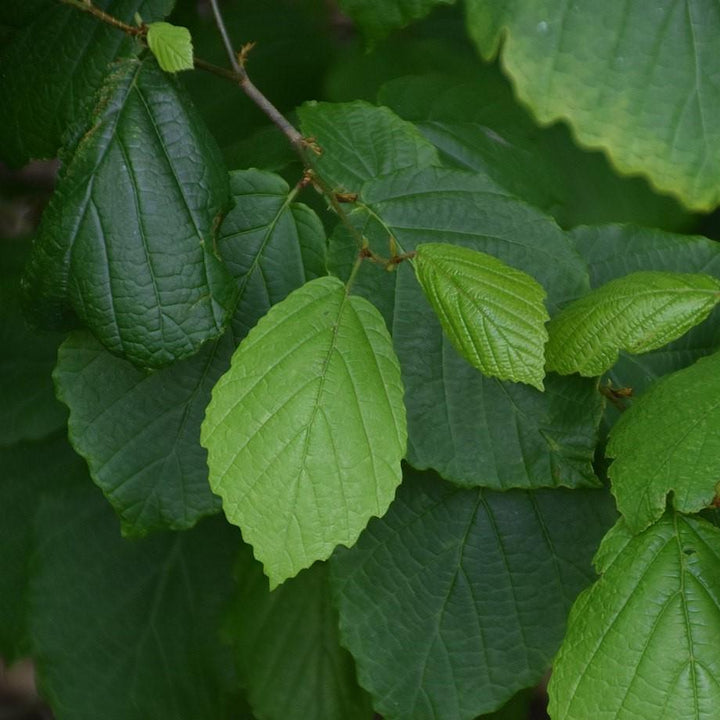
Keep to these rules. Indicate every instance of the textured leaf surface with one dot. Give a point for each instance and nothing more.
(457, 598)
(139, 431)
(287, 648)
(480, 126)
(378, 17)
(642, 642)
(636, 79)
(28, 410)
(171, 45)
(472, 429)
(361, 141)
(493, 314)
(667, 442)
(54, 66)
(130, 630)
(128, 238)
(637, 313)
(306, 431)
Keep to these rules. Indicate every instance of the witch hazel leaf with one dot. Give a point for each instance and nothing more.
(306, 431)
(668, 442)
(493, 314)
(637, 313)
(171, 45)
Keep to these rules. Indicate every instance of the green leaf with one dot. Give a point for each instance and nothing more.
(474, 430)
(666, 443)
(360, 141)
(378, 17)
(480, 126)
(458, 598)
(306, 431)
(171, 45)
(128, 238)
(642, 642)
(287, 648)
(54, 66)
(29, 470)
(29, 410)
(141, 618)
(634, 81)
(493, 314)
(140, 431)
(637, 313)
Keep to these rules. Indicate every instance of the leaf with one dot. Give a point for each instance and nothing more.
(480, 126)
(53, 68)
(361, 141)
(493, 314)
(642, 642)
(637, 313)
(634, 81)
(378, 17)
(128, 239)
(306, 431)
(667, 443)
(140, 431)
(171, 45)
(29, 470)
(287, 648)
(457, 598)
(473, 430)
(142, 618)
(29, 410)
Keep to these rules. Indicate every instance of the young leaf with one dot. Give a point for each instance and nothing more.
(637, 313)
(493, 314)
(306, 431)
(128, 239)
(668, 442)
(630, 79)
(457, 598)
(171, 45)
(642, 642)
(287, 648)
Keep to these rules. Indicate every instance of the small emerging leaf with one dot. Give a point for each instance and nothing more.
(642, 642)
(493, 313)
(668, 442)
(638, 313)
(306, 431)
(171, 45)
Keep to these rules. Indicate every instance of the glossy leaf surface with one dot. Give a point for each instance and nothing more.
(493, 314)
(306, 431)
(642, 642)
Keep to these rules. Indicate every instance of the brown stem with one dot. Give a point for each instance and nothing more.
(108, 19)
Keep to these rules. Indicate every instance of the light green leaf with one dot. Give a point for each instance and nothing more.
(377, 18)
(287, 648)
(361, 142)
(637, 313)
(127, 242)
(635, 79)
(668, 442)
(171, 45)
(642, 642)
(456, 599)
(306, 431)
(493, 314)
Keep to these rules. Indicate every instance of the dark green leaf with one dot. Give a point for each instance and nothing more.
(667, 443)
(53, 68)
(139, 431)
(458, 598)
(306, 431)
(171, 45)
(130, 630)
(642, 642)
(128, 240)
(288, 649)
